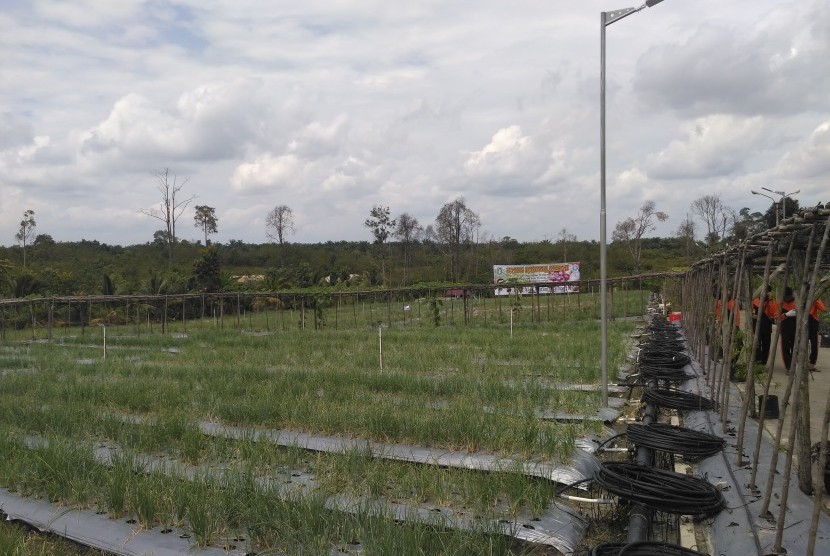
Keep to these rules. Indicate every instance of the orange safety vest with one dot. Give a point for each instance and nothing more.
(786, 306)
(770, 307)
(729, 305)
(818, 307)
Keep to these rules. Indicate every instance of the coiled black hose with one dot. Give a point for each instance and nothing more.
(676, 399)
(665, 374)
(691, 444)
(663, 357)
(662, 490)
(607, 549)
(643, 548)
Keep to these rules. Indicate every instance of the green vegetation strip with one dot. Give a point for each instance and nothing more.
(583, 466)
(554, 527)
(92, 529)
(321, 384)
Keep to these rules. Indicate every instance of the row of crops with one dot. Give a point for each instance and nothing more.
(215, 435)
(47, 318)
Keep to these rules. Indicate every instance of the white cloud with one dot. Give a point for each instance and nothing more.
(503, 155)
(809, 159)
(87, 13)
(268, 172)
(332, 107)
(710, 146)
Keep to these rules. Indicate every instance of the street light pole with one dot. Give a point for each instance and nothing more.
(783, 199)
(606, 19)
(774, 203)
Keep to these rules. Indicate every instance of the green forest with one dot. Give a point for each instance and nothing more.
(92, 268)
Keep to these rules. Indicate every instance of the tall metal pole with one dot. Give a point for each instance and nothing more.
(603, 271)
(606, 19)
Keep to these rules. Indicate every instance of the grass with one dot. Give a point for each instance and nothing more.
(18, 540)
(473, 388)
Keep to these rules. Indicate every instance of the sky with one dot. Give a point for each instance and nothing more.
(334, 106)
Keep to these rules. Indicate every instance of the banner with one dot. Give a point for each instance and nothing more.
(536, 274)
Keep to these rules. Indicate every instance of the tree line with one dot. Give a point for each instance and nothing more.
(402, 251)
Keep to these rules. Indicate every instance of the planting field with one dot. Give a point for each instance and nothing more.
(409, 439)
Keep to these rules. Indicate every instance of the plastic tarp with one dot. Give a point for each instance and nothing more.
(582, 466)
(556, 526)
(741, 530)
(98, 531)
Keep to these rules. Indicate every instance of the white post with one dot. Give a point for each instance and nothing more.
(380, 346)
(104, 328)
(511, 322)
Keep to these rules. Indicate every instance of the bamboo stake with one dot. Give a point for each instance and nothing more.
(818, 483)
(785, 401)
(749, 402)
(806, 292)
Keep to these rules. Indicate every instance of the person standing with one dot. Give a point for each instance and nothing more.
(812, 331)
(767, 312)
(788, 325)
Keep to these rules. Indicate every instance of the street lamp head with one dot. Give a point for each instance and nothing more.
(651, 3)
(773, 191)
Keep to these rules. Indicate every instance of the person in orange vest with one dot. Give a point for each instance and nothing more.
(812, 331)
(788, 325)
(767, 312)
(733, 305)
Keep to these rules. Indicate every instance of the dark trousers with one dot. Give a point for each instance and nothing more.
(764, 340)
(787, 340)
(812, 337)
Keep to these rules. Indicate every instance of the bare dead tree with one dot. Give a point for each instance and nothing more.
(407, 232)
(715, 215)
(631, 230)
(686, 232)
(278, 224)
(170, 208)
(565, 238)
(455, 226)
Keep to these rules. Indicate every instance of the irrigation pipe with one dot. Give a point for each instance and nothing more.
(689, 443)
(799, 369)
(587, 500)
(661, 490)
(639, 522)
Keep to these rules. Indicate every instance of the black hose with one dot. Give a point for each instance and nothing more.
(663, 357)
(643, 548)
(664, 374)
(691, 444)
(664, 491)
(676, 399)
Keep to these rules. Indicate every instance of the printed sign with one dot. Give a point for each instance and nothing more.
(535, 274)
